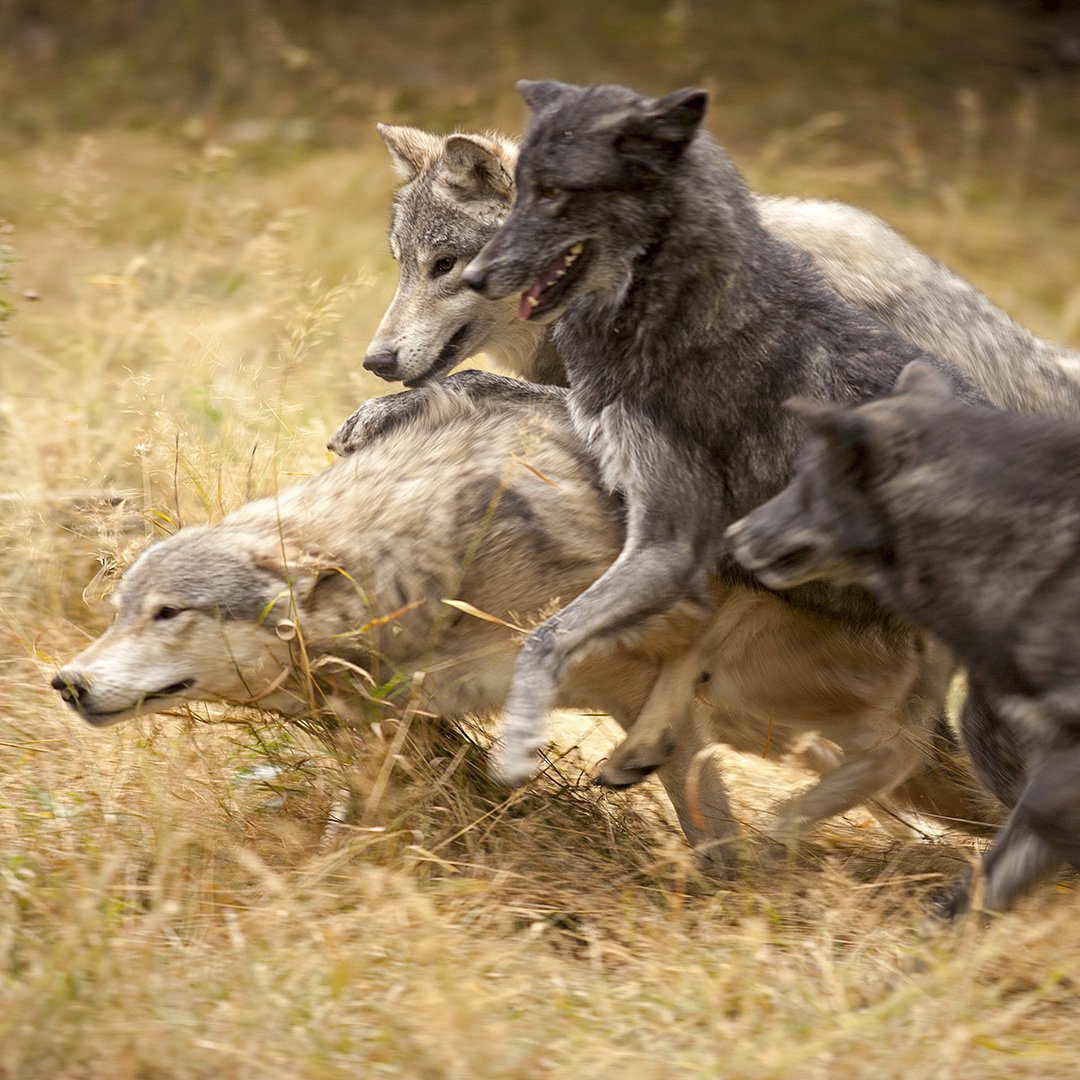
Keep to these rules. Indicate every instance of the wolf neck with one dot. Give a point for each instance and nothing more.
(702, 274)
(530, 353)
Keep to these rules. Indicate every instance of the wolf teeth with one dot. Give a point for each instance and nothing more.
(532, 301)
(572, 254)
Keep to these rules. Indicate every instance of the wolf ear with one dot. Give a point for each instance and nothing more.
(676, 117)
(664, 128)
(410, 148)
(477, 169)
(848, 438)
(298, 573)
(543, 93)
(920, 378)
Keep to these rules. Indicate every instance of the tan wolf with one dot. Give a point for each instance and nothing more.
(284, 601)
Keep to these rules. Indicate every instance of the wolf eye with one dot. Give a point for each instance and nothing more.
(443, 265)
(167, 611)
(547, 193)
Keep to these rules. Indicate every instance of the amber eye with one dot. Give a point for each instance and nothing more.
(547, 193)
(166, 611)
(443, 265)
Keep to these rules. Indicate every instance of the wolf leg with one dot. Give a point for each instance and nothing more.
(693, 779)
(643, 581)
(1042, 833)
(998, 751)
(657, 732)
(379, 416)
(862, 776)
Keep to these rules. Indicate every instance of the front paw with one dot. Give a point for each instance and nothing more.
(511, 767)
(631, 763)
(375, 417)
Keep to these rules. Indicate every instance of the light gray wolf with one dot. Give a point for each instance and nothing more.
(290, 598)
(455, 192)
(966, 521)
(682, 324)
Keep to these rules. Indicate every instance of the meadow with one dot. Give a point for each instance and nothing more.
(192, 260)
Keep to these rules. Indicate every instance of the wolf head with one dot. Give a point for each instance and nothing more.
(456, 191)
(835, 520)
(200, 616)
(589, 172)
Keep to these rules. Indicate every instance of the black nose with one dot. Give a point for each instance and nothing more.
(475, 276)
(384, 364)
(71, 685)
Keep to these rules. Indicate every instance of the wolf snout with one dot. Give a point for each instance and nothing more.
(476, 275)
(71, 684)
(383, 364)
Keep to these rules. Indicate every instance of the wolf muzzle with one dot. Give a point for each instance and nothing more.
(384, 364)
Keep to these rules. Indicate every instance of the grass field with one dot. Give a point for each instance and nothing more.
(193, 262)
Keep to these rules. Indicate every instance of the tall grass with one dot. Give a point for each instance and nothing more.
(184, 896)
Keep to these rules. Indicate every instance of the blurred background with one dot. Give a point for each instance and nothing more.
(193, 206)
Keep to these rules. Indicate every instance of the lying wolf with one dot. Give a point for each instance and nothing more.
(456, 190)
(966, 521)
(289, 597)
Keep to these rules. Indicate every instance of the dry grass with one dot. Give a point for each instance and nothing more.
(178, 897)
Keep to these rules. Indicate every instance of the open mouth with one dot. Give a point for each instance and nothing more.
(554, 281)
(448, 356)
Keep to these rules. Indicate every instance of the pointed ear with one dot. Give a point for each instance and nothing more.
(847, 437)
(410, 148)
(543, 93)
(660, 132)
(920, 378)
(676, 117)
(477, 168)
(298, 573)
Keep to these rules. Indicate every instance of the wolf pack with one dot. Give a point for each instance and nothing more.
(765, 475)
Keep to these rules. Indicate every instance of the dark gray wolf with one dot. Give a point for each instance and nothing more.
(864, 691)
(966, 521)
(286, 601)
(683, 324)
(456, 190)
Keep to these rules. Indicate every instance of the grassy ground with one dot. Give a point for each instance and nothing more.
(198, 264)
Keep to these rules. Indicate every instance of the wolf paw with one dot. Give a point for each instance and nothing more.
(629, 764)
(375, 417)
(511, 767)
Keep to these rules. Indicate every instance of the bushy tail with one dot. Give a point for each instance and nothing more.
(875, 268)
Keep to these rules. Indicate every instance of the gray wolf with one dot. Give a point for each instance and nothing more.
(284, 602)
(966, 521)
(455, 191)
(683, 324)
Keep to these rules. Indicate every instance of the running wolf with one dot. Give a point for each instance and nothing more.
(456, 190)
(966, 521)
(683, 324)
(500, 507)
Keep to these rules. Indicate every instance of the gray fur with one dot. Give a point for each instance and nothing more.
(966, 521)
(496, 505)
(683, 325)
(860, 256)
(863, 259)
